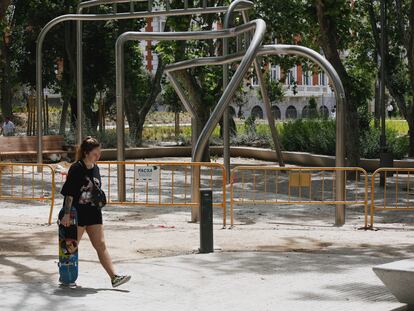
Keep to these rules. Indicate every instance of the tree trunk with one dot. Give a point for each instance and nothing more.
(195, 93)
(177, 124)
(136, 117)
(73, 112)
(328, 41)
(377, 113)
(410, 57)
(232, 127)
(6, 94)
(411, 137)
(69, 75)
(63, 117)
(91, 117)
(131, 114)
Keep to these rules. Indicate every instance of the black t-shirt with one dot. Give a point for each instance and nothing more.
(79, 183)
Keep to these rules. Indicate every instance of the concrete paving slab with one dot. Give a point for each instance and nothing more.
(219, 281)
(398, 276)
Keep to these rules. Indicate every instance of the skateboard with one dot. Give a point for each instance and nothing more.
(68, 249)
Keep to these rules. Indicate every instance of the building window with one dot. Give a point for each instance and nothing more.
(322, 78)
(307, 78)
(275, 73)
(291, 113)
(291, 76)
(324, 111)
(257, 112)
(255, 81)
(276, 112)
(306, 112)
(162, 25)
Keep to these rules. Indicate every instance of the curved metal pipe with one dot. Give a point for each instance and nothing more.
(281, 49)
(93, 3)
(265, 95)
(259, 26)
(92, 17)
(226, 125)
(229, 91)
(190, 35)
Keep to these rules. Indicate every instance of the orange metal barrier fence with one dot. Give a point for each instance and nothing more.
(269, 185)
(170, 184)
(395, 194)
(28, 182)
(164, 183)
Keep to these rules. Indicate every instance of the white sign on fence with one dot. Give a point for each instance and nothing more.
(147, 173)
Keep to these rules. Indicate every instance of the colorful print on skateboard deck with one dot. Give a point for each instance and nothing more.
(68, 249)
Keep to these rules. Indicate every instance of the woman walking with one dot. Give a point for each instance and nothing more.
(83, 175)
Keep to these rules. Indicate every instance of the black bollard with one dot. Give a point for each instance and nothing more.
(206, 222)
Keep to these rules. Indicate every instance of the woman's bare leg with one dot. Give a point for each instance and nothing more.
(81, 230)
(96, 235)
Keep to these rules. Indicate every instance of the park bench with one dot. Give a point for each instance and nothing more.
(398, 277)
(23, 147)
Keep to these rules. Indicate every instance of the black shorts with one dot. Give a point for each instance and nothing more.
(89, 215)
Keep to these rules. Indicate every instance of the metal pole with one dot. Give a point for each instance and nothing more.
(120, 117)
(226, 132)
(226, 124)
(383, 139)
(79, 82)
(39, 97)
(386, 157)
(195, 174)
(226, 143)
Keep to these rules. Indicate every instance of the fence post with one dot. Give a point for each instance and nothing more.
(206, 222)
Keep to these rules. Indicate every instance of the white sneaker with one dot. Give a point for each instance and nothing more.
(118, 280)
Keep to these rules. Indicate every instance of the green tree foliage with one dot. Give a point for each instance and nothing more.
(399, 58)
(335, 27)
(98, 59)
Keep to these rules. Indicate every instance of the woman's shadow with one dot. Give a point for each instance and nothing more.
(80, 291)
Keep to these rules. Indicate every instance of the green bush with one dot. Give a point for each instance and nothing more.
(250, 125)
(261, 140)
(108, 139)
(319, 136)
(316, 136)
(370, 146)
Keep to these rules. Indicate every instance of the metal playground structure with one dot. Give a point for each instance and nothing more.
(253, 33)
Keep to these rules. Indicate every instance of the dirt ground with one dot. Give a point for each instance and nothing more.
(27, 242)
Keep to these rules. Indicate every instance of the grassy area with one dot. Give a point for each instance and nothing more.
(399, 126)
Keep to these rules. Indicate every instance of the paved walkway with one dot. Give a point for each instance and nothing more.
(220, 281)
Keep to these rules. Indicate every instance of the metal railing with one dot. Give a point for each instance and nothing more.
(28, 182)
(395, 194)
(271, 185)
(163, 183)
